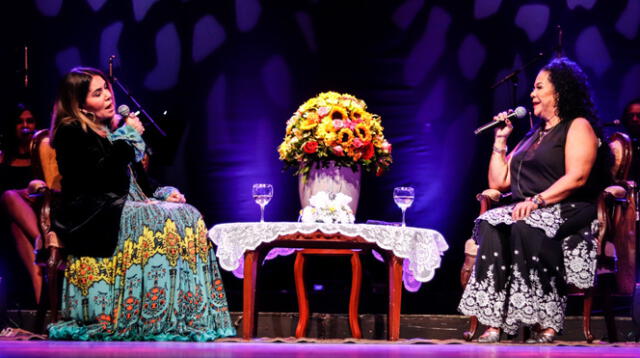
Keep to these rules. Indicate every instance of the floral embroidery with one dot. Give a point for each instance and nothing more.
(580, 260)
(482, 300)
(547, 219)
(530, 304)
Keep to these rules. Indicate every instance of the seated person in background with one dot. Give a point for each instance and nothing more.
(138, 268)
(531, 250)
(17, 206)
(631, 123)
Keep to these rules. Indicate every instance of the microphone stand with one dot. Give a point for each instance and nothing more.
(26, 66)
(558, 49)
(117, 82)
(513, 77)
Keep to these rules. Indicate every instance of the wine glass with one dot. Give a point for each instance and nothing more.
(403, 196)
(262, 194)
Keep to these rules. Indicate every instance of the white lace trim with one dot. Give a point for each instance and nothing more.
(422, 247)
(481, 299)
(527, 304)
(580, 263)
(547, 219)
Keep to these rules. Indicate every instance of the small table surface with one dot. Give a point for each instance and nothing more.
(422, 247)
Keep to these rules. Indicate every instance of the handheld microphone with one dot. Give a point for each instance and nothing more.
(124, 111)
(518, 113)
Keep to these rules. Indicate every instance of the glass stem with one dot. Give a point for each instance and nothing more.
(261, 213)
(403, 211)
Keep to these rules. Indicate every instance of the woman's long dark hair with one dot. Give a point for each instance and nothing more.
(72, 94)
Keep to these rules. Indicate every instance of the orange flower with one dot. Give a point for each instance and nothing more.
(310, 121)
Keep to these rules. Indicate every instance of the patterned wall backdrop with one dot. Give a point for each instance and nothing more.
(222, 77)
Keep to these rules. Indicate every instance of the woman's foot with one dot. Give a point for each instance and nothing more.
(542, 336)
(491, 335)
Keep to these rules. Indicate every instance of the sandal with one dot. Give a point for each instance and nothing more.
(542, 337)
(489, 337)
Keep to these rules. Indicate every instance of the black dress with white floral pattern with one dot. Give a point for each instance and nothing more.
(523, 267)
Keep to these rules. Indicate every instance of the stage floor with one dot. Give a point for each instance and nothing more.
(306, 350)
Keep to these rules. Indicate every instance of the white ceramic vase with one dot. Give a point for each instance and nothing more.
(332, 179)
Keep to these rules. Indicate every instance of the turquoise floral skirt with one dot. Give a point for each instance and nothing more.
(162, 283)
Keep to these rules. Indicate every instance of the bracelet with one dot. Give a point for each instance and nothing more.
(538, 200)
(500, 150)
(501, 136)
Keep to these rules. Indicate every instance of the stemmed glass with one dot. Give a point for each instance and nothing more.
(403, 196)
(262, 194)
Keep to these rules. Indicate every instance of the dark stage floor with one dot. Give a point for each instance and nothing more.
(237, 350)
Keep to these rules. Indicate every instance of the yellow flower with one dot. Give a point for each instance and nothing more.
(345, 137)
(357, 114)
(283, 150)
(338, 113)
(363, 132)
(330, 139)
(326, 126)
(291, 123)
(310, 121)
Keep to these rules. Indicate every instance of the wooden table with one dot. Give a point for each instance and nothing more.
(318, 240)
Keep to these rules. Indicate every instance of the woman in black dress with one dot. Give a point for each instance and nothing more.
(16, 206)
(530, 250)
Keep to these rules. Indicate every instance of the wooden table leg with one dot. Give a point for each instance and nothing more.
(354, 300)
(251, 259)
(303, 302)
(395, 296)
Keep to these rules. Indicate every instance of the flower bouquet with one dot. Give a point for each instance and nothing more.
(328, 208)
(334, 127)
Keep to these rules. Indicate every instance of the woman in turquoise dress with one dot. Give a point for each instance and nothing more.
(140, 266)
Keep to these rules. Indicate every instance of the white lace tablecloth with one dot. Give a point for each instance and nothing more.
(421, 248)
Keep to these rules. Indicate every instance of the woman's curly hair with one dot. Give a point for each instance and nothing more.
(574, 99)
(573, 92)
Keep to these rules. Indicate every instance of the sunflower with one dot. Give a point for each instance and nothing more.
(345, 137)
(357, 114)
(363, 132)
(338, 113)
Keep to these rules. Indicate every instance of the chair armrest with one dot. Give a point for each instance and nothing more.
(470, 251)
(618, 192)
(604, 219)
(491, 194)
(490, 198)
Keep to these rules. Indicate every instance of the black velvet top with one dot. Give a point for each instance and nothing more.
(95, 184)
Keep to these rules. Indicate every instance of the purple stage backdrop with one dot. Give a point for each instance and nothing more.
(222, 78)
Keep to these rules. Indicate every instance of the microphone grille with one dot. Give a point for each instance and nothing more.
(520, 112)
(124, 110)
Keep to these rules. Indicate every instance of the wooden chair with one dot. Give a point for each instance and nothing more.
(616, 235)
(48, 248)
